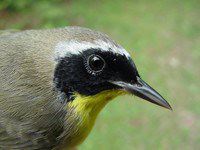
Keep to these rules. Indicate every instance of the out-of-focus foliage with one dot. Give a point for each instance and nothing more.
(15, 6)
(21, 5)
(165, 36)
(35, 14)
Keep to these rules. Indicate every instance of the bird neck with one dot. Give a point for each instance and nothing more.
(87, 109)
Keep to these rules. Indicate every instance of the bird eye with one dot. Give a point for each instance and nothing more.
(96, 63)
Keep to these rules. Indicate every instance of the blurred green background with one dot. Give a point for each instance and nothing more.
(164, 39)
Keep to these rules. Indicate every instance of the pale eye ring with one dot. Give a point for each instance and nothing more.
(95, 63)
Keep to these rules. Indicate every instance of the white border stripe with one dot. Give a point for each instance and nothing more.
(65, 48)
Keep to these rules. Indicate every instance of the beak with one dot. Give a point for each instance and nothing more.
(144, 91)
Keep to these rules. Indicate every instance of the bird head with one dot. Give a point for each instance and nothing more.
(89, 63)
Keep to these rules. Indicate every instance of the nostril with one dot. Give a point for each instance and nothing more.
(139, 84)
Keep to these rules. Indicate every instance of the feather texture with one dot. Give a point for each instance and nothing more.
(33, 113)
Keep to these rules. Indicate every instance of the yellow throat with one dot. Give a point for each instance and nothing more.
(87, 108)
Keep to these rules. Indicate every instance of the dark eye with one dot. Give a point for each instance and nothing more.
(96, 63)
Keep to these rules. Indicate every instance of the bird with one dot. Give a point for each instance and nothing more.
(55, 82)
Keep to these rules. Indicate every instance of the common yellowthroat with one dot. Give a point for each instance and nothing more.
(54, 83)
